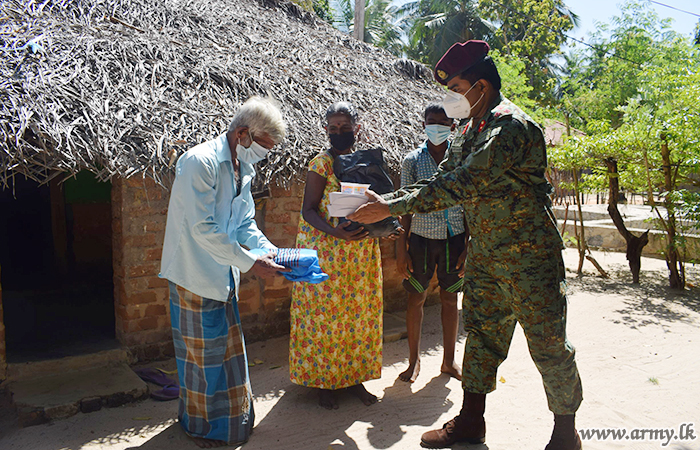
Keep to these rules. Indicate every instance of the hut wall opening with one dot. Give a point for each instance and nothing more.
(56, 259)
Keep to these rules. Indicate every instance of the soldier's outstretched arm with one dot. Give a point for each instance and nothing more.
(499, 151)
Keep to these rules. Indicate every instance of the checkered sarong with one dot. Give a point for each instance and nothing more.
(215, 395)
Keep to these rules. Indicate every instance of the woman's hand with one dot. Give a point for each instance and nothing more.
(355, 235)
(394, 236)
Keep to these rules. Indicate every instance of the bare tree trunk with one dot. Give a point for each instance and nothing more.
(580, 236)
(566, 217)
(359, 24)
(673, 260)
(635, 244)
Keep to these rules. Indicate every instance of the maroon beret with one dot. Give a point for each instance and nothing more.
(458, 58)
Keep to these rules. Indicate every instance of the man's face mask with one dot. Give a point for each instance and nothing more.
(251, 154)
(437, 134)
(342, 141)
(457, 106)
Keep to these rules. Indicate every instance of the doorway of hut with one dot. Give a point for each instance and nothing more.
(56, 267)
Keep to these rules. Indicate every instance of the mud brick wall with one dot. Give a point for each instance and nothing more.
(139, 210)
(141, 302)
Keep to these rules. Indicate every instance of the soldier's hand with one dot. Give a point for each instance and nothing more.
(375, 210)
(354, 235)
(266, 267)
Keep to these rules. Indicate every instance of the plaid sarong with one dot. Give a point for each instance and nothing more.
(215, 395)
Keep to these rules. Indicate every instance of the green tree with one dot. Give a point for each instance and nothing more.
(656, 145)
(433, 26)
(532, 30)
(515, 85)
(577, 154)
(320, 7)
(323, 10)
(601, 79)
(381, 26)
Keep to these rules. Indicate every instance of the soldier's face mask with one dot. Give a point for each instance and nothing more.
(457, 105)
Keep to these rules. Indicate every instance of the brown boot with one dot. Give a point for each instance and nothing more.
(468, 426)
(564, 436)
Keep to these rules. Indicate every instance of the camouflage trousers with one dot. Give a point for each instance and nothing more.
(532, 293)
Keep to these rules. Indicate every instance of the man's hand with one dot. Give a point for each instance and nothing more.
(375, 210)
(404, 265)
(266, 267)
(354, 235)
(460, 261)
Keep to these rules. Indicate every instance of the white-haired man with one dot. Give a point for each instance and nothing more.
(210, 223)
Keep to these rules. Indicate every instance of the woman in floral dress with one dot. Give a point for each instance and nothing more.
(336, 325)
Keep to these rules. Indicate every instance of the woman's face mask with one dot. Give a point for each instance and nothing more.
(342, 141)
(437, 134)
(251, 154)
(457, 106)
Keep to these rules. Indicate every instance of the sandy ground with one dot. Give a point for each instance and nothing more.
(637, 351)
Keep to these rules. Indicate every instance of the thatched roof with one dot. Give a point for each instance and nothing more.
(121, 87)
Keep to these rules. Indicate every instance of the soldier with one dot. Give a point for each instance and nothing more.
(514, 271)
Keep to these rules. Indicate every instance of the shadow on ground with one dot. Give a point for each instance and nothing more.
(651, 302)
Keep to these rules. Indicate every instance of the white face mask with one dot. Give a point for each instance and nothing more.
(251, 154)
(437, 134)
(457, 106)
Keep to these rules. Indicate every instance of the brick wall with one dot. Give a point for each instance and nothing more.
(141, 302)
(139, 209)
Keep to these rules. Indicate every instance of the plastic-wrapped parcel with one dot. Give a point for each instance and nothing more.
(302, 261)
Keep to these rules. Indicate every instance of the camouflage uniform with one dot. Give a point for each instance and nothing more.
(514, 271)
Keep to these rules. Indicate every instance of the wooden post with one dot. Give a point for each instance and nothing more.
(359, 25)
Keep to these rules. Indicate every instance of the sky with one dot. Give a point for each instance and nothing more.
(591, 11)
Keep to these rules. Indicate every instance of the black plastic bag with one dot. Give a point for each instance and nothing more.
(367, 167)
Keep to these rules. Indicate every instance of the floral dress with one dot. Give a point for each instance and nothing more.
(336, 326)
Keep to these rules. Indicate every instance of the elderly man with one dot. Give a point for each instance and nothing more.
(514, 271)
(210, 224)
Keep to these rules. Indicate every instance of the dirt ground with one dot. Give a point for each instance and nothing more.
(637, 352)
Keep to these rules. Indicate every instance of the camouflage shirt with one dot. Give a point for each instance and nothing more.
(495, 170)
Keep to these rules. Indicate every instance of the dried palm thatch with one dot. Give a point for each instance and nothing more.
(122, 87)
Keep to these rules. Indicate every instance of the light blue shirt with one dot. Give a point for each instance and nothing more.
(420, 165)
(208, 224)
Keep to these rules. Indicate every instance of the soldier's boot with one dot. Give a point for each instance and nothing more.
(468, 426)
(564, 436)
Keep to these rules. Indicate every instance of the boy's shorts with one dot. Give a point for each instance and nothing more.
(427, 254)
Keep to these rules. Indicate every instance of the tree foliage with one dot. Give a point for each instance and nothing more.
(534, 31)
(600, 80)
(433, 26)
(381, 27)
(649, 126)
